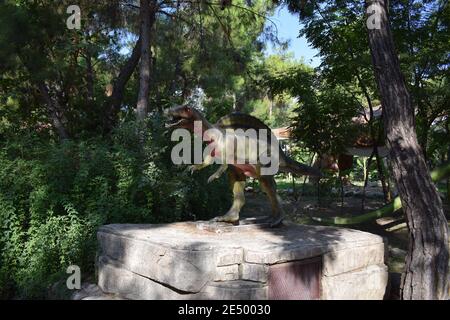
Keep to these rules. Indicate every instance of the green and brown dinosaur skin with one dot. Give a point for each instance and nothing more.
(184, 117)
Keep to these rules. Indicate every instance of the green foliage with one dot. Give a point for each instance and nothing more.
(193, 40)
(325, 124)
(53, 198)
(420, 30)
(323, 116)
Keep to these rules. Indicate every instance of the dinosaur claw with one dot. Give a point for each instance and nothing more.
(191, 169)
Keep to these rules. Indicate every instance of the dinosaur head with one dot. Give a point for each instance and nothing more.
(183, 117)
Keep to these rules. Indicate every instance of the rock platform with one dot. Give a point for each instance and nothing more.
(204, 260)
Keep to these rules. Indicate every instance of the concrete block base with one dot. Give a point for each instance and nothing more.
(191, 261)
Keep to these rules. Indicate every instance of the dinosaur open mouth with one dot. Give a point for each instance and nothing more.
(174, 122)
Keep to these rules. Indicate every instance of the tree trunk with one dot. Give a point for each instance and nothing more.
(423, 134)
(387, 182)
(113, 104)
(375, 138)
(55, 112)
(271, 103)
(448, 157)
(366, 181)
(241, 101)
(89, 77)
(384, 186)
(425, 276)
(147, 19)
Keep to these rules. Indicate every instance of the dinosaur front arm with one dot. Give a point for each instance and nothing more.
(218, 173)
(209, 160)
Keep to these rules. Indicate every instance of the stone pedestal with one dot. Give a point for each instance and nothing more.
(200, 260)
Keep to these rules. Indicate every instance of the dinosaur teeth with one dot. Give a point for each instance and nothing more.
(174, 122)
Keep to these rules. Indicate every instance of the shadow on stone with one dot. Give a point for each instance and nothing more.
(202, 260)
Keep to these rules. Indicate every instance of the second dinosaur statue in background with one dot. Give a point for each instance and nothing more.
(186, 116)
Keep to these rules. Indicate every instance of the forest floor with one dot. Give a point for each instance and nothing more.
(299, 210)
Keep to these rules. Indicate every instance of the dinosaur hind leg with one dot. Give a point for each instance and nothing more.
(237, 184)
(270, 188)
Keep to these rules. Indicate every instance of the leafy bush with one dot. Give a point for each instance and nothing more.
(54, 196)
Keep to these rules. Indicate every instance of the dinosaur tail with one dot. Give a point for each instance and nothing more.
(299, 169)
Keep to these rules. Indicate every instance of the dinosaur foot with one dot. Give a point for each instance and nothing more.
(228, 218)
(195, 167)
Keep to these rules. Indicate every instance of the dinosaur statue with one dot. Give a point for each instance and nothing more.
(185, 117)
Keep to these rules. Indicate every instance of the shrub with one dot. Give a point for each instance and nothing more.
(54, 196)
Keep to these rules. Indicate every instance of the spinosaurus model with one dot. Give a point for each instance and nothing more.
(185, 116)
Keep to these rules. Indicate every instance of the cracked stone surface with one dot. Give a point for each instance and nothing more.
(90, 291)
(189, 261)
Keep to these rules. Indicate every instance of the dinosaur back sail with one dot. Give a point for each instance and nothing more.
(244, 121)
(239, 120)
